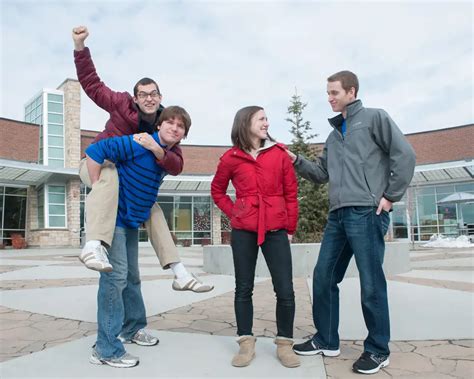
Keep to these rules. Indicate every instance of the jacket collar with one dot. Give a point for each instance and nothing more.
(353, 108)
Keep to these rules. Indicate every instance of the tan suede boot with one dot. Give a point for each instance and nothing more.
(285, 353)
(246, 352)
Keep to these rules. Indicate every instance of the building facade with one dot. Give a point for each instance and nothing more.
(42, 199)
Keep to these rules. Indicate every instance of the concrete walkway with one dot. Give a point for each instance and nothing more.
(48, 314)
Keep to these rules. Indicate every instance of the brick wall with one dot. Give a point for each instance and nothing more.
(19, 140)
(453, 144)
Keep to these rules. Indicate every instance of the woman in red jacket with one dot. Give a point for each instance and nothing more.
(263, 214)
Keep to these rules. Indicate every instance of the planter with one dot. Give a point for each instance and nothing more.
(18, 241)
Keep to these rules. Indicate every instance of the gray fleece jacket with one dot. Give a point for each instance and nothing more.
(372, 160)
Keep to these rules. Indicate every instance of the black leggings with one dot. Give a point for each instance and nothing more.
(277, 253)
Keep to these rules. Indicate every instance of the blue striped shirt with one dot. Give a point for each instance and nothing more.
(140, 176)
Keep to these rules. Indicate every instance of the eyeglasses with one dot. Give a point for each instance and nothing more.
(143, 95)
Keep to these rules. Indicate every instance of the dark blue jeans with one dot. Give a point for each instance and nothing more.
(360, 232)
(277, 253)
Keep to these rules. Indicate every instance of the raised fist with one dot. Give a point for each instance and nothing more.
(79, 34)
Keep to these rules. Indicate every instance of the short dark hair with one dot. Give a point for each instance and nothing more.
(144, 82)
(348, 80)
(174, 111)
(240, 134)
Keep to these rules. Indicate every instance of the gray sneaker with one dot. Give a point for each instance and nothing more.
(125, 361)
(141, 338)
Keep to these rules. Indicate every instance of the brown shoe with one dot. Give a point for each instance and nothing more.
(285, 353)
(246, 352)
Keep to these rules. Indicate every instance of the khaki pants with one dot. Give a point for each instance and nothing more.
(101, 214)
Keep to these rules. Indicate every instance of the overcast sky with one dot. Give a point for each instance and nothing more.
(414, 59)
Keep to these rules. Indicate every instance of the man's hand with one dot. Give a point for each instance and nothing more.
(290, 238)
(292, 156)
(79, 35)
(385, 205)
(147, 141)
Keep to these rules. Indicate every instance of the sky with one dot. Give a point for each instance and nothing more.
(413, 59)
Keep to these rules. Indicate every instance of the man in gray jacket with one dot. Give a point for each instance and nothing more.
(369, 164)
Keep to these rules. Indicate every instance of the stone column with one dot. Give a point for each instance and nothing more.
(216, 225)
(72, 122)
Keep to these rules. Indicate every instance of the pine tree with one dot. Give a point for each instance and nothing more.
(312, 198)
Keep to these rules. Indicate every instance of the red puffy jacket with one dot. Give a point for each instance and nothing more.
(124, 117)
(265, 187)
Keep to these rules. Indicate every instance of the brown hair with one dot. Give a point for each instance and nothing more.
(348, 80)
(144, 82)
(240, 135)
(175, 111)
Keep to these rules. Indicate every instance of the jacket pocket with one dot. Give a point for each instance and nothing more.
(242, 208)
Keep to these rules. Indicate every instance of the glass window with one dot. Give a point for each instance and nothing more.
(55, 141)
(14, 214)
(426, 191)
(57, 221)
(54, 97)
(202, 216)
(55, 152)
(183, 199)
(57, 206)
(444, 191)
(57, 209)
(56, 198)
(15, 191)
(55, 129)
(165, 199)
(467, 187)
(56, 118)
(182, 217)
(41, 207)
(55, 107)
(467, 211)
(56, 163)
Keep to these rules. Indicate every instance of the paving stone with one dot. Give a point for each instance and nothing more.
(231, 332)
(15, 315)
(411, 362)
(350, 351)
(444, 366)
(183, 317)
(464, 369)
(446, 351)
(13, 324)
(465, 343)
(9, 346)
(38, 317)
(427, 343)
(33, 347)
(401, 347)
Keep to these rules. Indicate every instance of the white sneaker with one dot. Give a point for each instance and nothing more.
(94, 257)
(191, 283)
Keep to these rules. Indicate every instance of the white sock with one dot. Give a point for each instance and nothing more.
(92, 244)
(179, 270)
